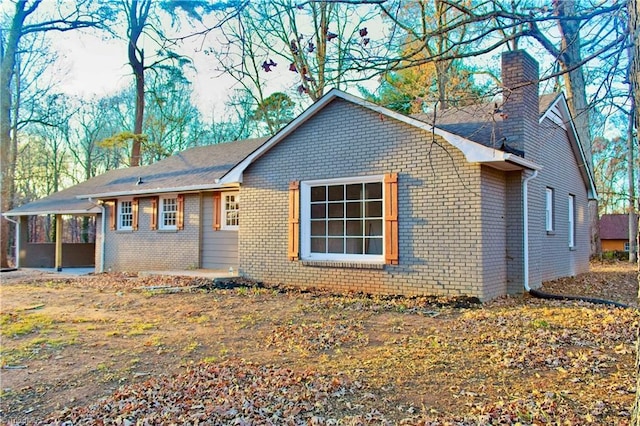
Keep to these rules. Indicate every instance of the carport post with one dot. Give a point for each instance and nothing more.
(58, 242)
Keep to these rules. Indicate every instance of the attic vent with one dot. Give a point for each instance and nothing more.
(139, 182)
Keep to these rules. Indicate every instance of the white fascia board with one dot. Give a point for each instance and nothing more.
(473, 151)
(561, 105)
(551, 110)
(150, 192)
(93, 210)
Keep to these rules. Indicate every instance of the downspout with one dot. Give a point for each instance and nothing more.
(537, 293)
(525, 218)
(17, 223)
(103, 230)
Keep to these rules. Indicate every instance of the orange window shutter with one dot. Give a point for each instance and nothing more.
(154, 213)
(112, 214)
(391, 218)
(180, 219)
(294, 220)
(134, 213)
(217, 210)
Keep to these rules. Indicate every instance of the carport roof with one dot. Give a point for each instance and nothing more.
(195, 169)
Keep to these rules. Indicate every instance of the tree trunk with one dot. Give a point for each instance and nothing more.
(633, 221)
(7, 70)
(634, 77)
(138, 14)
(577, 97)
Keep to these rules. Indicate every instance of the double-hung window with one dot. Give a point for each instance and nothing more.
(549, 210)
(230, 211)
(168, 213)
(343, 219)
(572, 221)
(125, 215)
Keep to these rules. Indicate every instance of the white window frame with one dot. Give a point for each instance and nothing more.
(120, 214)
(161, 213)
(224, 215)
(305, 221)
(571, 210)
(549, 209)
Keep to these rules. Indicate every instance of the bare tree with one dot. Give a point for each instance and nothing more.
(634, 77)
(309, 45)
(24, 21)
(493, 24)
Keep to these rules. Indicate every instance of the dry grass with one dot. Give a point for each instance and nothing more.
(101, 348)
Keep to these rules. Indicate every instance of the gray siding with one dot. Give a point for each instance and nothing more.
(219, 248)
(550, 254)
(494, 233)
(515, 232)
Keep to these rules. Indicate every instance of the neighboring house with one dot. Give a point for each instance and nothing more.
(614, 232)
(351, 196)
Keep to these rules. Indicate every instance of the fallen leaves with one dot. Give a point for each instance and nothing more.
(317, 337)
(233, 392)
(286, 356)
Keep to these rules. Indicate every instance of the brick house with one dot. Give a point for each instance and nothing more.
(488, 200)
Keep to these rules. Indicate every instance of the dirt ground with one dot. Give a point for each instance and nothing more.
(84, 348)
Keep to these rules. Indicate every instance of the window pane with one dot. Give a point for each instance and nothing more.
(319, 193)
(354, 209)
(318, 211)
(346, 219)
(354, 228)
(373, 246)
(126, 214)
(318, 245)
(231, 206)
(373, 228)
(169, 209)
(318, 227)
(373, 191)
(354, 191)
(336, 227)
(335, 245)
(354, 245)
(336, 193)
(336, 210)
(373, 209)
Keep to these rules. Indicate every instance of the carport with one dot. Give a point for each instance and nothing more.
(56, 254)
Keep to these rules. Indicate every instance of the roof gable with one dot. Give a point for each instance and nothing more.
(473, 151)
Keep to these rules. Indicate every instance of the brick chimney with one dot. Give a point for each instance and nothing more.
(520, 77)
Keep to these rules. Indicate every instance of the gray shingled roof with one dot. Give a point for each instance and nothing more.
(480, 123)
(193, 169)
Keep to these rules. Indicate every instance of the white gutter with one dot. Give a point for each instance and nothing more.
(82, 212)
(17, 223)
(102, 233)
(153, 191)
(525, 218)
